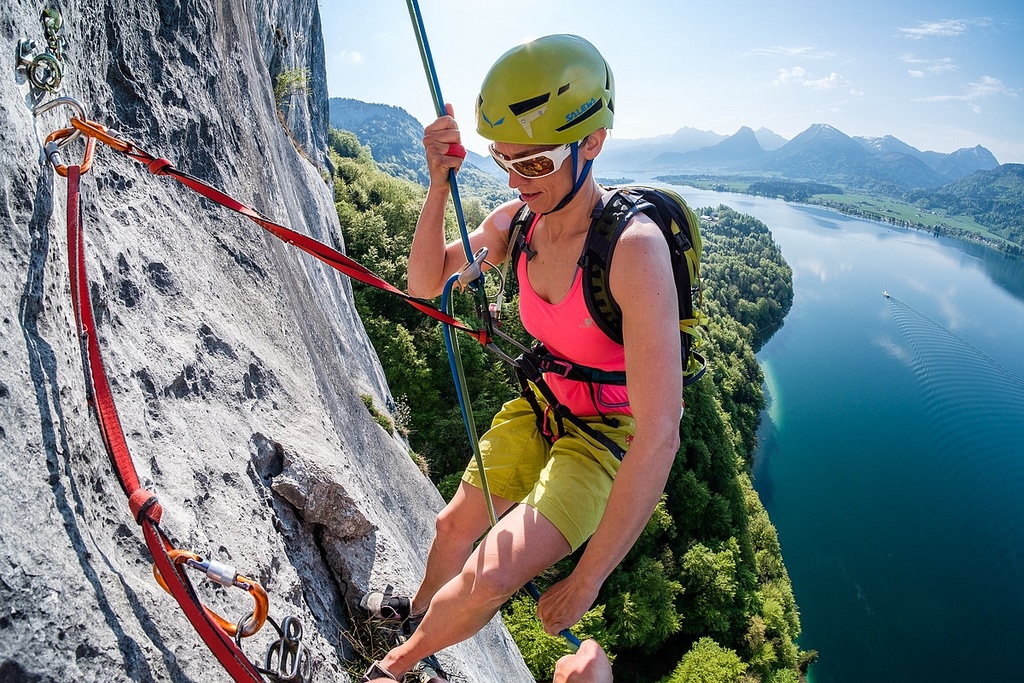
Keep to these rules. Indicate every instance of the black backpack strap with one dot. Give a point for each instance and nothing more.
(517, 246)
(609, 220)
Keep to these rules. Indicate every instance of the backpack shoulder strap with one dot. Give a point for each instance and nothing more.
(609, 220)
(521, 223)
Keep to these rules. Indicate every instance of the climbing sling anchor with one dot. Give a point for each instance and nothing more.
(169, 562)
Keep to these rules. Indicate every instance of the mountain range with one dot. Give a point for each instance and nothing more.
(968, 181)
(821, 153)
(882, 165)
(395, 139)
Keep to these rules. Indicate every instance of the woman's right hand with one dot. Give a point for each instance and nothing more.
(442, 143)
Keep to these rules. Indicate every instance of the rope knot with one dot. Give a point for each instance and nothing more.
(144, 505)
(159, 166)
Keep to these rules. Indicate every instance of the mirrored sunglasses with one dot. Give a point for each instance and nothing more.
(536, 165)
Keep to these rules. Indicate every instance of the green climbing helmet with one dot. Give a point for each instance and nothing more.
(553, 90)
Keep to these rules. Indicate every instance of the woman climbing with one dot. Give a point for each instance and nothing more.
(547, 106)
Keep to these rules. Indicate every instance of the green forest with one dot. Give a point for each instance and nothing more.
(704, 594)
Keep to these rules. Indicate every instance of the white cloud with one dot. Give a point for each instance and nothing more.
(985, 87)
(975, 108)
(806, 51)
(943, 29)
(929, 67)
(833, 81)
(350, 57)
(947, 28)
(830, 82)
(794, 75)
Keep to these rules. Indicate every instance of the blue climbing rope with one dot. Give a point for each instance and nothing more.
(451, 342)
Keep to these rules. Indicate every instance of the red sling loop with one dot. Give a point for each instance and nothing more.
(144, 505)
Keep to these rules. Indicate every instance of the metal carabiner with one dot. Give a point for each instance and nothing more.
(473, 271)
(287, 659)
(58, 139)
(62, 102)
(225, 576)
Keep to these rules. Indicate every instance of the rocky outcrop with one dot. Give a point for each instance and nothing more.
(238, 364)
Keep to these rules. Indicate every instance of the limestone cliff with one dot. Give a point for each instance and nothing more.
(238, 364)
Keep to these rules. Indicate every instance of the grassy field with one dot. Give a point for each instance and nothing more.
(886, 210)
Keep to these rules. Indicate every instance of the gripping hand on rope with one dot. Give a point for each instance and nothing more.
(563, 604)
(432, 259)
(443, 145)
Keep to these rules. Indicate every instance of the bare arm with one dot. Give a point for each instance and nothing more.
(431, 260)
(641, 275)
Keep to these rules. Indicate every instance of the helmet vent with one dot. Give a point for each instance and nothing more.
(519, 108)
(565, 87)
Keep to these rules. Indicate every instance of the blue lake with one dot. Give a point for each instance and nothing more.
(892, 450)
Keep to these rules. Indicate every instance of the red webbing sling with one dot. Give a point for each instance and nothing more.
(330, 256)
(143, 504)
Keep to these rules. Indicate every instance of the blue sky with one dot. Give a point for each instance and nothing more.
(938, 74)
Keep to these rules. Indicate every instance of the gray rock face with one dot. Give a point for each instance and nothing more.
(237, 362)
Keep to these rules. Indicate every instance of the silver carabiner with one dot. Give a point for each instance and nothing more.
(65, 102)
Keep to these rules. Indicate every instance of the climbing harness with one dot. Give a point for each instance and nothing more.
(44, 70)
(681, 230)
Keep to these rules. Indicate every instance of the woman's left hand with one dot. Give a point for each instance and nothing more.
(565, 603)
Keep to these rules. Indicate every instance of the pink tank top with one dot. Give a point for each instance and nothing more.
(568, 331)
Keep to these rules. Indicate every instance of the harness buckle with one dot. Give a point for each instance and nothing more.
(556, 366)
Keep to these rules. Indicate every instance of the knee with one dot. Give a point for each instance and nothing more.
(495, 583)
(454, 526)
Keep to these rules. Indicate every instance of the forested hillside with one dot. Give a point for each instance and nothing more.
(993, 198)
(705, 588)
(395, 141)
(746, 273)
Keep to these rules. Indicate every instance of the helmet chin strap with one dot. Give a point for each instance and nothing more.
(580, 174)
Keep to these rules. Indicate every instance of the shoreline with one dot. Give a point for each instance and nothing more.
(1001, 245)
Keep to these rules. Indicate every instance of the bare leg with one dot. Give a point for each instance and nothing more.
(522, 545)
(459, 526)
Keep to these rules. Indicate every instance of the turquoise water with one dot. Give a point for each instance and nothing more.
(892, 450)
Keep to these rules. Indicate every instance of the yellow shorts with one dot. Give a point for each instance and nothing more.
(568, 482)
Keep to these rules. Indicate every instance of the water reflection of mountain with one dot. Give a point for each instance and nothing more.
(1005, 270)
